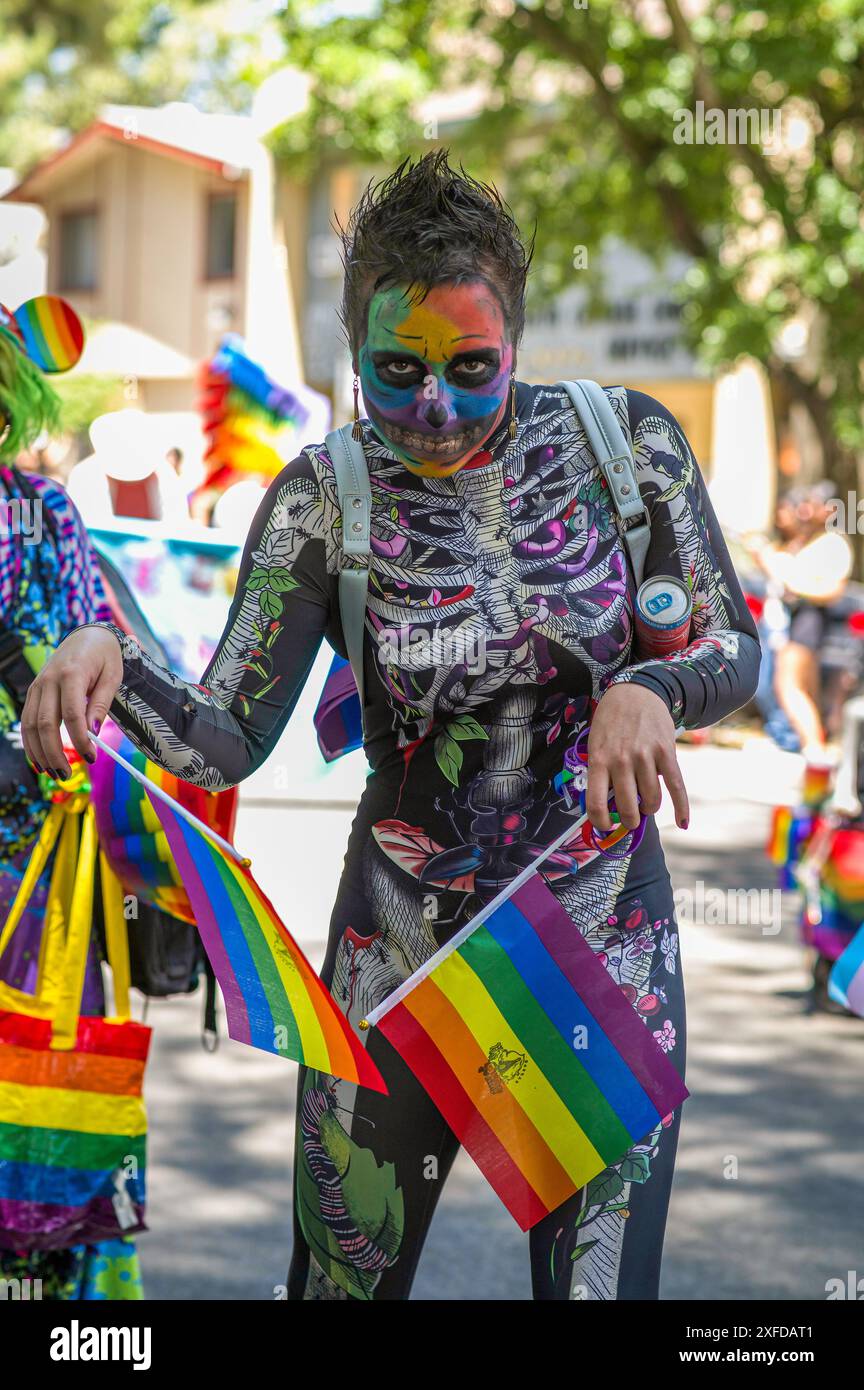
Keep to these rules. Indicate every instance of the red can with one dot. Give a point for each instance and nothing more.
(663, 612)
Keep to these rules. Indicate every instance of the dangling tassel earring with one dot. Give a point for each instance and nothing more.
(356, 428)
(513, 421)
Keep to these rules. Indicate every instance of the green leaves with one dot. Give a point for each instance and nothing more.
(271, 604)
(635, 1168)
(465, 726)
(281, 581)
(270, 583)
(582, 1249)
(604, 1188)
(448, 754)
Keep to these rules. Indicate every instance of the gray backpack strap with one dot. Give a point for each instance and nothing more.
(355, 500)
(616, 462)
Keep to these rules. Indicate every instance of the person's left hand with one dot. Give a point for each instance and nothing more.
(630, 746)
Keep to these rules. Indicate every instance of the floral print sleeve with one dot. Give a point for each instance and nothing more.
(717, 672)
(217, 732)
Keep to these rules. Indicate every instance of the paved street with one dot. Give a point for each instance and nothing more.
(774, 1092)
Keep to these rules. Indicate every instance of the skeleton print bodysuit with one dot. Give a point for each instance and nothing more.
(499, 609)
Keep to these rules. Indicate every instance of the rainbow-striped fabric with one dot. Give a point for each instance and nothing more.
(130, 831)
(244, 413)
(273, 998)
(337, 721)
(72, 1133)
(533, 1055)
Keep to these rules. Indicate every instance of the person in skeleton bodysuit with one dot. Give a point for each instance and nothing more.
(499, 624)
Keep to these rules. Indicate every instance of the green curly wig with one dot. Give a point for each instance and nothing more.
(28, 405)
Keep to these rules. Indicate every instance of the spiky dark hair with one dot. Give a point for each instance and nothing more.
(426, 223)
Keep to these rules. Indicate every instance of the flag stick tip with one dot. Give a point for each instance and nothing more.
(364, 1024)
(245, 863)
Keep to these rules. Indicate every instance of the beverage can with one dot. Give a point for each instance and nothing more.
(664, 609)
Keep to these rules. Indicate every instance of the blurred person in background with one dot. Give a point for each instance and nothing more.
(807, 569)
(125, 476)
(773, 622)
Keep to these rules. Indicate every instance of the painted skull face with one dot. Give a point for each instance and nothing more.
(435, 372)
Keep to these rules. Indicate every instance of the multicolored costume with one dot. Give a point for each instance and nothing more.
(49, 584)
(500, 608)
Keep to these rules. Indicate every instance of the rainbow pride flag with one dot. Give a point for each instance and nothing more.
(532, 1053)
(273, 998)
(841, 895)
(846, 981)
(129, 829)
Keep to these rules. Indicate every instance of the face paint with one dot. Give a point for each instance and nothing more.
(435, 373)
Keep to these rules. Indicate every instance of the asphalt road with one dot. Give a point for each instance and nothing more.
(768, 1202)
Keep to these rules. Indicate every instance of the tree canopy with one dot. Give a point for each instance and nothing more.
(61, 60)
(579, 116)
(575, 108)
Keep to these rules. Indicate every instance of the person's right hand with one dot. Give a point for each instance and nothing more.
(76, 686)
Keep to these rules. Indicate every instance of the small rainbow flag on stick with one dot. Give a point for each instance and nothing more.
(273, 998)
(530, 1050)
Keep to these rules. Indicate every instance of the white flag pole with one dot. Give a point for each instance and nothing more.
(153, 790)
(455, 941)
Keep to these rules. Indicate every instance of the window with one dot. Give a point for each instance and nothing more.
(78, 258)
(221, 235)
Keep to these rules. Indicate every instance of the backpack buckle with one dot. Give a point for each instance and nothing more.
(356, 514)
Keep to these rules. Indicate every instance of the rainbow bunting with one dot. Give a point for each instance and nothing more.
(846, 981)
(273, 998)
(533, 1055)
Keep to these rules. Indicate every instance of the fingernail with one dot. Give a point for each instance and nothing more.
(684, 824)
(97, 725)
